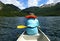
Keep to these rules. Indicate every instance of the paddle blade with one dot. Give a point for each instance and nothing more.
(21, 26)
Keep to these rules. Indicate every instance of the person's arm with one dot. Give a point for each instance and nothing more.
(37, 22)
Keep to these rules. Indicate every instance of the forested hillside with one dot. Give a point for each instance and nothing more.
(11, 10)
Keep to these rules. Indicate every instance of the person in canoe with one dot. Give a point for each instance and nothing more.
(32, 23)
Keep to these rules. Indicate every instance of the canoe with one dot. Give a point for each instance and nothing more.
(40, 37)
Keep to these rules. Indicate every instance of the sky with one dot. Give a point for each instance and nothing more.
(22, 4)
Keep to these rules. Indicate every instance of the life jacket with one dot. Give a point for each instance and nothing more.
(31, 16)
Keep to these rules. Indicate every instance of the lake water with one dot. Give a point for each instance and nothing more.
(49, 25)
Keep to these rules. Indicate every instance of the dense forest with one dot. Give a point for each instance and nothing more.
(10, 10)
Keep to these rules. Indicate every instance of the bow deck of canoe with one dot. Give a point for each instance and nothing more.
(40, 37)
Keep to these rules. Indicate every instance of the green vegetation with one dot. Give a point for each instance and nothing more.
(10, 10)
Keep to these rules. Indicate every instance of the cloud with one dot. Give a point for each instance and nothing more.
(49, 1)
(56, 1)
(33, 3)
(14, 2)
(41, 4)
(52, 1)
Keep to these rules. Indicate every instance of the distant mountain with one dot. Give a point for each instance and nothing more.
(31, 9)
(8, 10)
(11, 7)
(58, 3)
(48, 5)
(1, 5)
(47, 10)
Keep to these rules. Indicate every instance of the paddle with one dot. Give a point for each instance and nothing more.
(21, 26)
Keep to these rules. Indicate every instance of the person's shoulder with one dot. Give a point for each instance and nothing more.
(36, 19)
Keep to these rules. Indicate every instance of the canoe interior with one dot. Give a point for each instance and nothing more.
(40, 37)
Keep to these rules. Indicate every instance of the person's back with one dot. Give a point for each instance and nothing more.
(32, 22)
(32, 25)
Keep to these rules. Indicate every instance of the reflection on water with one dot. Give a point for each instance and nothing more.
(8, 31)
